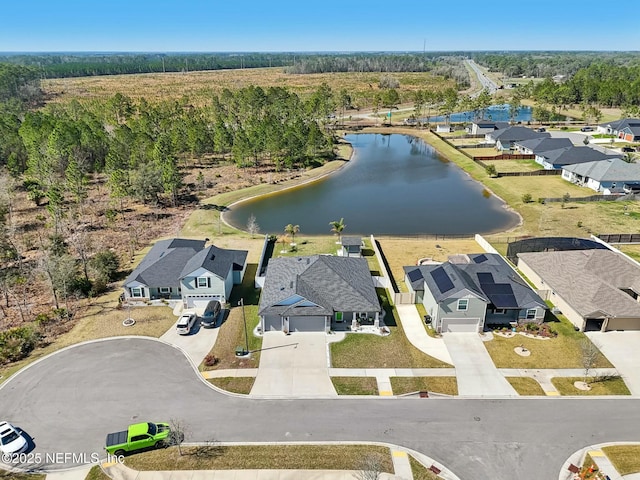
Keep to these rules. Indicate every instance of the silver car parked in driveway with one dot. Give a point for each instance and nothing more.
(185, 323)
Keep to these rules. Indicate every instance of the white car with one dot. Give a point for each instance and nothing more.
(11, 440)
(185, 323)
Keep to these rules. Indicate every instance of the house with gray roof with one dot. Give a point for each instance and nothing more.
(482, 127)
(605, 176)
(539, 145)
(597, 290)
(351, 246)
(470, 291)
(311, 293)
(187, 270)
(561, 157)
(625, 129)
(506, 138)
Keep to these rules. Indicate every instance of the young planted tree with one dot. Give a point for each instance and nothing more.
(337, 227)
(252, 225)
(292, 230)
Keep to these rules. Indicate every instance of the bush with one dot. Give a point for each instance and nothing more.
(491, 170)
(16, 343)
(527, 198)
(106, 265)
(211, 360)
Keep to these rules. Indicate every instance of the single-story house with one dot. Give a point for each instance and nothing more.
(607, 176)
(557, 159)
(470, 291)
(441, 128)
(351, 246)
(597, 290)
(187, 270)
(506, 138)
(625, 129)
(539, 145)
(482, 127)
(310, 293)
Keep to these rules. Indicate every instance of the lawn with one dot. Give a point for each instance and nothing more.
(420, 472)
(444, 385)
(28, 476)
(613, 386)
(307, 245)
(355, 385)
(232, 331)
(290, 457)
(241, 385)
(359, 350)
(525, 386)
(514, 165)
(626, 458)
(563, 351)
(96, 473)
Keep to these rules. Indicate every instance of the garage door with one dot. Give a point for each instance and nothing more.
(202, 298)
(460, 325)
(273, 322)
(307, 324)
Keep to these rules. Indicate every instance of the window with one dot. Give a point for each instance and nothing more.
(338, 316)
(531, 314)
(136, 292)
(202, 282)
(165, 289)
(463, 303)
(138, 438)
(499, 311)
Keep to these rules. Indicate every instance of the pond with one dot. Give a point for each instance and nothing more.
(497, 113)
(394, 184)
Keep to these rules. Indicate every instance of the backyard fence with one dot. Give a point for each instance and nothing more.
(534, 173)
(506, 156)
(620, 237)
(594, 198)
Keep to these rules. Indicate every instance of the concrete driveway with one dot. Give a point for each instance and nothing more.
(476, 373)
(198, 343)
(621, 348)
(293, 365)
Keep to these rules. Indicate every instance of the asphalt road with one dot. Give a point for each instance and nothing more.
(70, 401)
(485, 81)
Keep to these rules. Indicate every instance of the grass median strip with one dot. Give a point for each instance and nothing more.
(443, 385)
(290, 457)
(241, 385)
(610, 386)
(420, 472)
(355, 385)
(526, 386)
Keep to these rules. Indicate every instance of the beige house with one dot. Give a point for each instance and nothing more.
(594, 289)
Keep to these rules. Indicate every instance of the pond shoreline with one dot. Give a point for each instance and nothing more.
(388, 130)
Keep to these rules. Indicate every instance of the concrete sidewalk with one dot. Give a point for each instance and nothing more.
(418, 337)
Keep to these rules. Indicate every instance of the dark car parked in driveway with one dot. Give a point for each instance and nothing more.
(210, 316)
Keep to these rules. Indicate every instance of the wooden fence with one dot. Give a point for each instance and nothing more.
(530, 174)
(506, 156)
(620, 237)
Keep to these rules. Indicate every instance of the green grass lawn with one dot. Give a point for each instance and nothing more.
(564, 351)
(514, 165)
(355, 385)
(525, 386)
(614, 386)
(372, 351)
(444, 385)
(626, 458)
(96, 473)
(307, 457)
(241, 385)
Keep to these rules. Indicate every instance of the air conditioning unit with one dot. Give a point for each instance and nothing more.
(555, 311)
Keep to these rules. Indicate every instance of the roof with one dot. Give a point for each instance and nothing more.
(622, 123)
(170, 260)
(215, 260)
(539, 145)
(487, 275)
(318, 285)
(589, 280)
(516, 134)
(611, 170)
(491, 124)
(352, 241)
(161, 267)
(632, 129)
(574, 155)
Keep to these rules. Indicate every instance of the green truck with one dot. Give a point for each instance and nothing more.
(137, 437)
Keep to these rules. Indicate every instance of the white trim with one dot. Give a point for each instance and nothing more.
(466, 305)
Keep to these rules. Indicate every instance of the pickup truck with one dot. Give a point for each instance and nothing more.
(137, 437)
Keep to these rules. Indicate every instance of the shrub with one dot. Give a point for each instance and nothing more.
(16, 343)
(210, 360)
(106, 265)
(491, 170)
(527, 198)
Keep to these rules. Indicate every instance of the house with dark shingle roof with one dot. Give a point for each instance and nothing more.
(470, 291)
(310, 293)
(182, 269)
(539, 145)
(597, 290)
(557, 159)
(482, 127)
(506, 138)
(626, 129)
(606, 176)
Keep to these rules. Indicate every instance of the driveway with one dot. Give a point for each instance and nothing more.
(621, 348)
(197, 344)
(475, 371)
(417, 335)
(293, 365)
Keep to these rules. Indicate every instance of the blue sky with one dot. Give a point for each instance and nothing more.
(315, 25)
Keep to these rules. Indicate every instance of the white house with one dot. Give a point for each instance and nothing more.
(606, 176)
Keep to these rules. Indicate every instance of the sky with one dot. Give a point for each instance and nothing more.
(315, 25)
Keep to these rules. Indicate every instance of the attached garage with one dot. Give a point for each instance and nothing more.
(460, 325)
(623, 324)
(307, 324)
(272, 322)
(190, 299)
